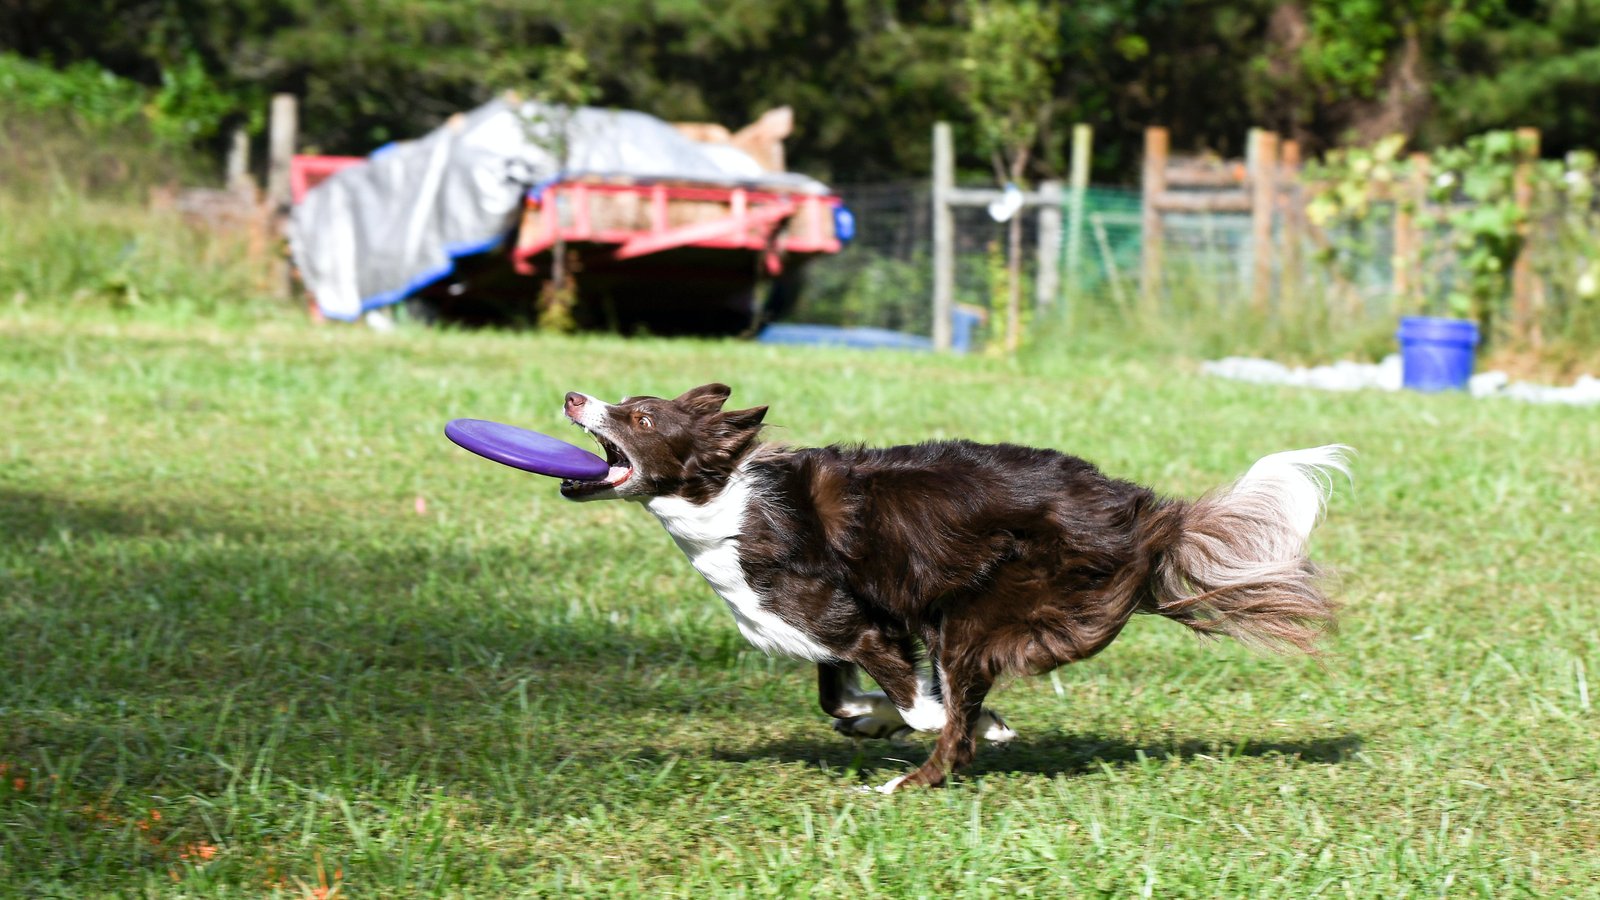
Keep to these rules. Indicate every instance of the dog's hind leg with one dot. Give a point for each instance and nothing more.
(836, 683)
(965, 686)
(991, 726)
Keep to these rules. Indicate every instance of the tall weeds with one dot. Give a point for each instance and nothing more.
(77, 230)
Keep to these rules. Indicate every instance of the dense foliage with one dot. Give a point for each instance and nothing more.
(866, 77)
(1477, 207)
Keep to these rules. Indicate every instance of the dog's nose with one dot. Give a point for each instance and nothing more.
(575, 403)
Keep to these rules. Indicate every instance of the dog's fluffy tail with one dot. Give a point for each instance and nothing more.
(1237, 564)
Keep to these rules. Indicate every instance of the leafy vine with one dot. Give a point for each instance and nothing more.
(1471, 221)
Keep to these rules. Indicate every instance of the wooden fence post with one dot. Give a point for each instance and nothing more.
(1524, 283)
(1263, 167)
(282, 134)
(281, 137)
(238, 170)
(1047, 273)
(1082, 146)
(1291, 203)
(944, 230)
(1156, 146)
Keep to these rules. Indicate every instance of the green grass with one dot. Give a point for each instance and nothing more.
(253, 601)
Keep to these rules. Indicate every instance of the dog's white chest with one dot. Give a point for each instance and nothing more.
(709, 536)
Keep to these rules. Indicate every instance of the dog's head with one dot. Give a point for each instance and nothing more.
(657, 448)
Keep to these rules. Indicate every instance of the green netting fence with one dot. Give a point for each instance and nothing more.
(885, 277)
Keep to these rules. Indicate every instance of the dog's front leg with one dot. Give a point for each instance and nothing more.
(991, 726)
(839, 690)
(964, 690)
(871, 714)
(903, 704)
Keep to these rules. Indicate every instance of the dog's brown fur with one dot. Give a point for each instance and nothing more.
(991, 559)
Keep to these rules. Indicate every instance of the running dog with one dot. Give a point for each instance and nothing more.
(983, 560)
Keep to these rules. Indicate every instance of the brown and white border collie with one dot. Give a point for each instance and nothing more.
(940, 567)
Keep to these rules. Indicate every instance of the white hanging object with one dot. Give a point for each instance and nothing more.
(1007, 205)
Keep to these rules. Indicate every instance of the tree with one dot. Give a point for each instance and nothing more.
(560, 88)
(1011, 51)
(1536, 64)
(866, 78)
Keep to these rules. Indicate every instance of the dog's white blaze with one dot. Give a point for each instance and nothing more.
(709, 535)
(593, 412)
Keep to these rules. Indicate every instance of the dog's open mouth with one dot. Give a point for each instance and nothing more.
(621, 470)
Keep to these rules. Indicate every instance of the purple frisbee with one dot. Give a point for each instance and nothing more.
(530, 451)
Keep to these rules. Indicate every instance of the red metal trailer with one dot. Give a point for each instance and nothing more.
(673, 257)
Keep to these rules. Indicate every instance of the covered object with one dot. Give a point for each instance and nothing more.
(647, 211)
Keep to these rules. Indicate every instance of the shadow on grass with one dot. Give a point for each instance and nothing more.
(363, 640)
(1052, 754)
(30, 517)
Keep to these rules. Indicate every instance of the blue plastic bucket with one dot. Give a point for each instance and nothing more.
(1436, 354)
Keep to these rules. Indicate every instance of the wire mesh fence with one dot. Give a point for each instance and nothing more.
(884, 278)
(1254, 248)
(1343, 273)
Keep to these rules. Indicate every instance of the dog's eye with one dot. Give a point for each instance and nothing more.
(645, 423)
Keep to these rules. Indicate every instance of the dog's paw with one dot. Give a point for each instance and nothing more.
(891, 785)
(994, 729)
(869, 727)
(871, 703)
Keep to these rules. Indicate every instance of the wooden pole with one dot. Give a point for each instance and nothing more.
(1082, 146)
(281, 137)
(944, 235)
(1291, 205)
(1047, 275)
(1524, 283)
(238, 171)
(1263, 165)
(1156, 143)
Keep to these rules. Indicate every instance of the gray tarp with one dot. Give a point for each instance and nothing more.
(372, 234)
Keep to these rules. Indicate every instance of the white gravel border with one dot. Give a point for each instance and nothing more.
(1385, 376)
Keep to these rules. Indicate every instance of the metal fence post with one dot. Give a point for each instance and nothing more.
(944, 230)
(1524, 282)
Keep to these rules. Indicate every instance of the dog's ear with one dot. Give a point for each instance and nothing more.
(744, 419)
(733, 431)
(705, 399)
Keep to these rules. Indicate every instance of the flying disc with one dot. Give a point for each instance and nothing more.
(527, 450)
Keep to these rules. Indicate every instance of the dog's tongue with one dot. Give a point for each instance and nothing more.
(618, 474)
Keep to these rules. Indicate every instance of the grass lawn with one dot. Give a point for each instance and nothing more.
(267, 630)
